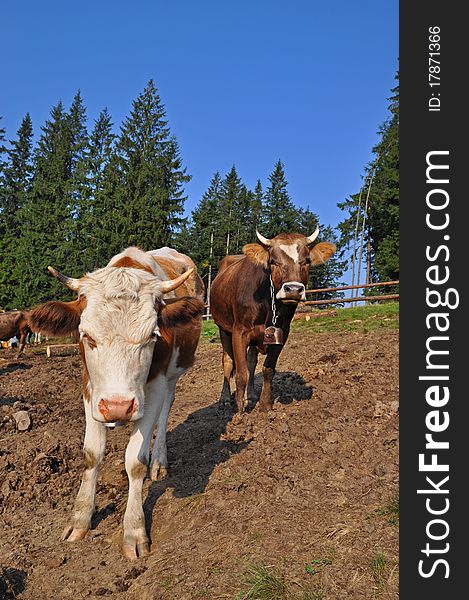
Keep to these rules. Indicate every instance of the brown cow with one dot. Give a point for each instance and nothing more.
(256, 291)
(13, 323)
(139, 325)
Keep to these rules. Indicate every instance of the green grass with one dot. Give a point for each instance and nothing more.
(209, 332)
(391, 509)
(266, 583)
(263, 583)
(366, 318)
(370, 317)
(379, 566)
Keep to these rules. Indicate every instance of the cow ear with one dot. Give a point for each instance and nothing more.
(180, 311)
(57, 318)
(321, 253)
(257, 254)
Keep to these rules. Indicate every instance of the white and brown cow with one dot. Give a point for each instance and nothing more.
(139, 320)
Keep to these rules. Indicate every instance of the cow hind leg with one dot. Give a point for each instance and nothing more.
(252, 363)
(159, 455)
(242, 371)
(93, 452)
(228, 367)
(268, 372)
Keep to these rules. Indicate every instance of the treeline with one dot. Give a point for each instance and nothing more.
(370, 232)
(229, 213)
(73, 197)
(76, 197)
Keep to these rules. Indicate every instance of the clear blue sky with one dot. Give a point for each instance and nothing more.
(243, 82)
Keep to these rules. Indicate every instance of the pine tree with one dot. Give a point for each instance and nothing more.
(256, 213)
(46, 218)
(15, 188)
(372, 227)
(78, 185)
(231, 209)
(280, 214)
(150, 195)
(204, 239)
(96, 217)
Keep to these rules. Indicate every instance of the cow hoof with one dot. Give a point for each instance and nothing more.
(157, 472)
(73, 534)
(134, 550)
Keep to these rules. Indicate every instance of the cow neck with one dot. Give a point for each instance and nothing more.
(282, 311)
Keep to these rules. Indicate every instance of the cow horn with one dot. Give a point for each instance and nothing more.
(313, 236)
(172, 284)
(262, 239)
(70, 282)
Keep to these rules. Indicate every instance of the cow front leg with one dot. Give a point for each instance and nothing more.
(136, 543)
(252, 363)
(21, 343)
(242, 371)
(228, 364)
(93, 453)
(159, 455)
(268, 372)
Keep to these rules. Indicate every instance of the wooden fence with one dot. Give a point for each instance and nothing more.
(353, 298)
(345, 300)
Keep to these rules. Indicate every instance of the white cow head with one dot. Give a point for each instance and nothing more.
(117, 314)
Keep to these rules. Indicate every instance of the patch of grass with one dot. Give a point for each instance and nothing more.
(391, 509)
(379, 566)
(195, 502)
(209, 331)
(263, 583)
(314, 566)
(366, 318)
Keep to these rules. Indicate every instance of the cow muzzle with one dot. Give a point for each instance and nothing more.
(292, 292)
(120, 410)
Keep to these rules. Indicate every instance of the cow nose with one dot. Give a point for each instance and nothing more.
(294, 288)
(117, 409)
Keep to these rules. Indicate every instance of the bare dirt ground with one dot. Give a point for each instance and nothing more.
(306, 490)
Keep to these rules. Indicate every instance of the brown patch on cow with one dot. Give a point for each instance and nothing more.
(257, 254)
(186, 342)
(139, 470)
(161, 355)
(57, 318)
(180, 311)
(131, 263)
(321, 253)
(90, 459)
(180, 325)
(86, 377)
(171, 273)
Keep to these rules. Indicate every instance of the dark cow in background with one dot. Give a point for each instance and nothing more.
(255, 291)
(13, 323)
(139, 320)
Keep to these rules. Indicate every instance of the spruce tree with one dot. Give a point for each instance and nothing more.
(150, 191)
(15, 189)
(232, 209)
(204, 239)
(46, 218)
(280, 214)
(96, 215)
(379, 245)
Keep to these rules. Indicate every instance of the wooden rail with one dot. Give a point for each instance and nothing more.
(354, 299)
(340, 300)
(352, 287)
